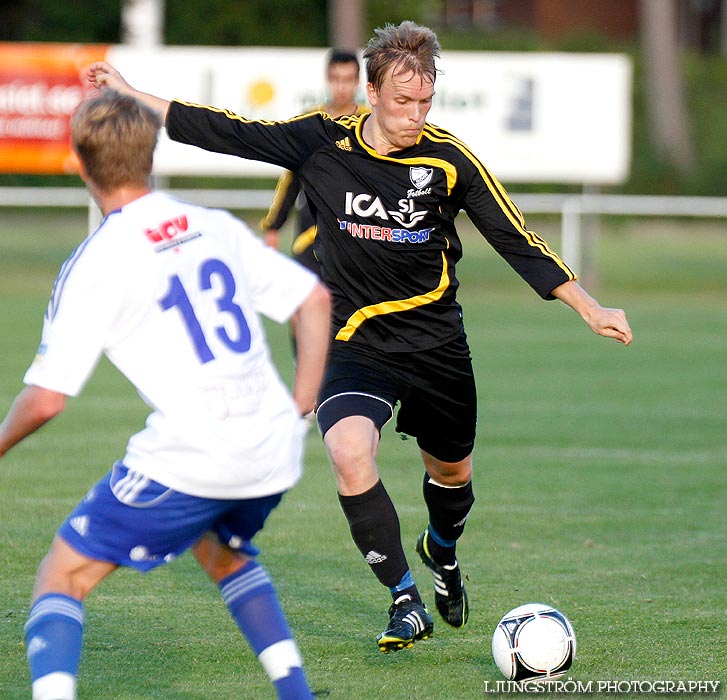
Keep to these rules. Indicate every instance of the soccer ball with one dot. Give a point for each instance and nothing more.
(534, 642)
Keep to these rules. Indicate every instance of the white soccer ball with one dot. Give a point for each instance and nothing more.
(534, 642)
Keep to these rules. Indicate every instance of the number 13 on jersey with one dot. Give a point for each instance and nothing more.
(177, 298)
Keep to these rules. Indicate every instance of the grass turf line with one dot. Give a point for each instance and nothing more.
(599, 483)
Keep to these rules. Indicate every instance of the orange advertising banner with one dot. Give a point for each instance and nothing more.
(40, 86)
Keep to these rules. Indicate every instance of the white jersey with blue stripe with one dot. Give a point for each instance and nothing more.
(171, 293)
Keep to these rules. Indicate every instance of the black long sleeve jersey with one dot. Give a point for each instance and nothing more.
(286, 195)
(386, 238)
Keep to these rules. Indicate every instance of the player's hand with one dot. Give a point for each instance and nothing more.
(271, 238)
(103, 75)
(610, 323)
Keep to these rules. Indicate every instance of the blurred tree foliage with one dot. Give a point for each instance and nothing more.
(245, 23)
(50, 20)
(212, 23)
(305, 23)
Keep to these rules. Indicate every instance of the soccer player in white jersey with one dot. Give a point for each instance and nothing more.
(171, 293)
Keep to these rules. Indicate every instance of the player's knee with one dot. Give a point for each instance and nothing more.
(219, 570)
(66, 571)
(347, 456)
(351, 444)
(217, 560)
(451, 474)
(76, 583)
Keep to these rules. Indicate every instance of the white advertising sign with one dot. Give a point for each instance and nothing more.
(540, 117)
(531, 117)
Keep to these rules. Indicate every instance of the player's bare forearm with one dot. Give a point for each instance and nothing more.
(312, 331)
(103, 75)
(32, 408)
(610, 323)
(271, 238)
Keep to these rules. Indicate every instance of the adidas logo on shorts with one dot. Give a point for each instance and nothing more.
(80, 524)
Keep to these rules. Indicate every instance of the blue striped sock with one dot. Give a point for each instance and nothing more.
(253, 604)
(406, 582)
(53, 638)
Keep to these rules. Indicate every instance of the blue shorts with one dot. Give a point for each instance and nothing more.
(130, 520)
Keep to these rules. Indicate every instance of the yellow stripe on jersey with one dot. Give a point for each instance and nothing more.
(394, 306)
(304, 240)
(239, 118)
(501, 197)
(449, 170)
(278, 196)
(349, 120)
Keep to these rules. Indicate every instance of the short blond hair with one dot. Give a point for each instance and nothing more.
(409, 47)
(114, 136)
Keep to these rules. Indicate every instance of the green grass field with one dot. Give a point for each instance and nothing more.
(600, 482)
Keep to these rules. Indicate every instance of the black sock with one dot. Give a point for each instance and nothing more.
(448, 511)
(375, 530)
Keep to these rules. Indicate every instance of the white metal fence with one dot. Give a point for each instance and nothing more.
(572, 208)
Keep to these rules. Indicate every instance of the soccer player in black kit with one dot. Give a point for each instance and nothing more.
(386, 188)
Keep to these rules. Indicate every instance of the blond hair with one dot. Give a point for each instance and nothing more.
(114, 136)
(409, 47)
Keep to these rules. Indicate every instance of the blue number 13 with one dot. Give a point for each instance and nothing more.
(176, 297)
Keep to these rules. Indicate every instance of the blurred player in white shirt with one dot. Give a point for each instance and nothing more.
(171, 293)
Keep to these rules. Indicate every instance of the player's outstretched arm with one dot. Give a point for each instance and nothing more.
(33, 408)
(610, 323)
(312, 332)
(103, 75)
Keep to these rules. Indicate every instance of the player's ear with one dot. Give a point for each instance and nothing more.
(372, 93)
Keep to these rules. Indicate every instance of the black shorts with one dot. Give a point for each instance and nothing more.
(435, 390)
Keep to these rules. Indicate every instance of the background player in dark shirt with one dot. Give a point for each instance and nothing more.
(386, 188)
(342, 79)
